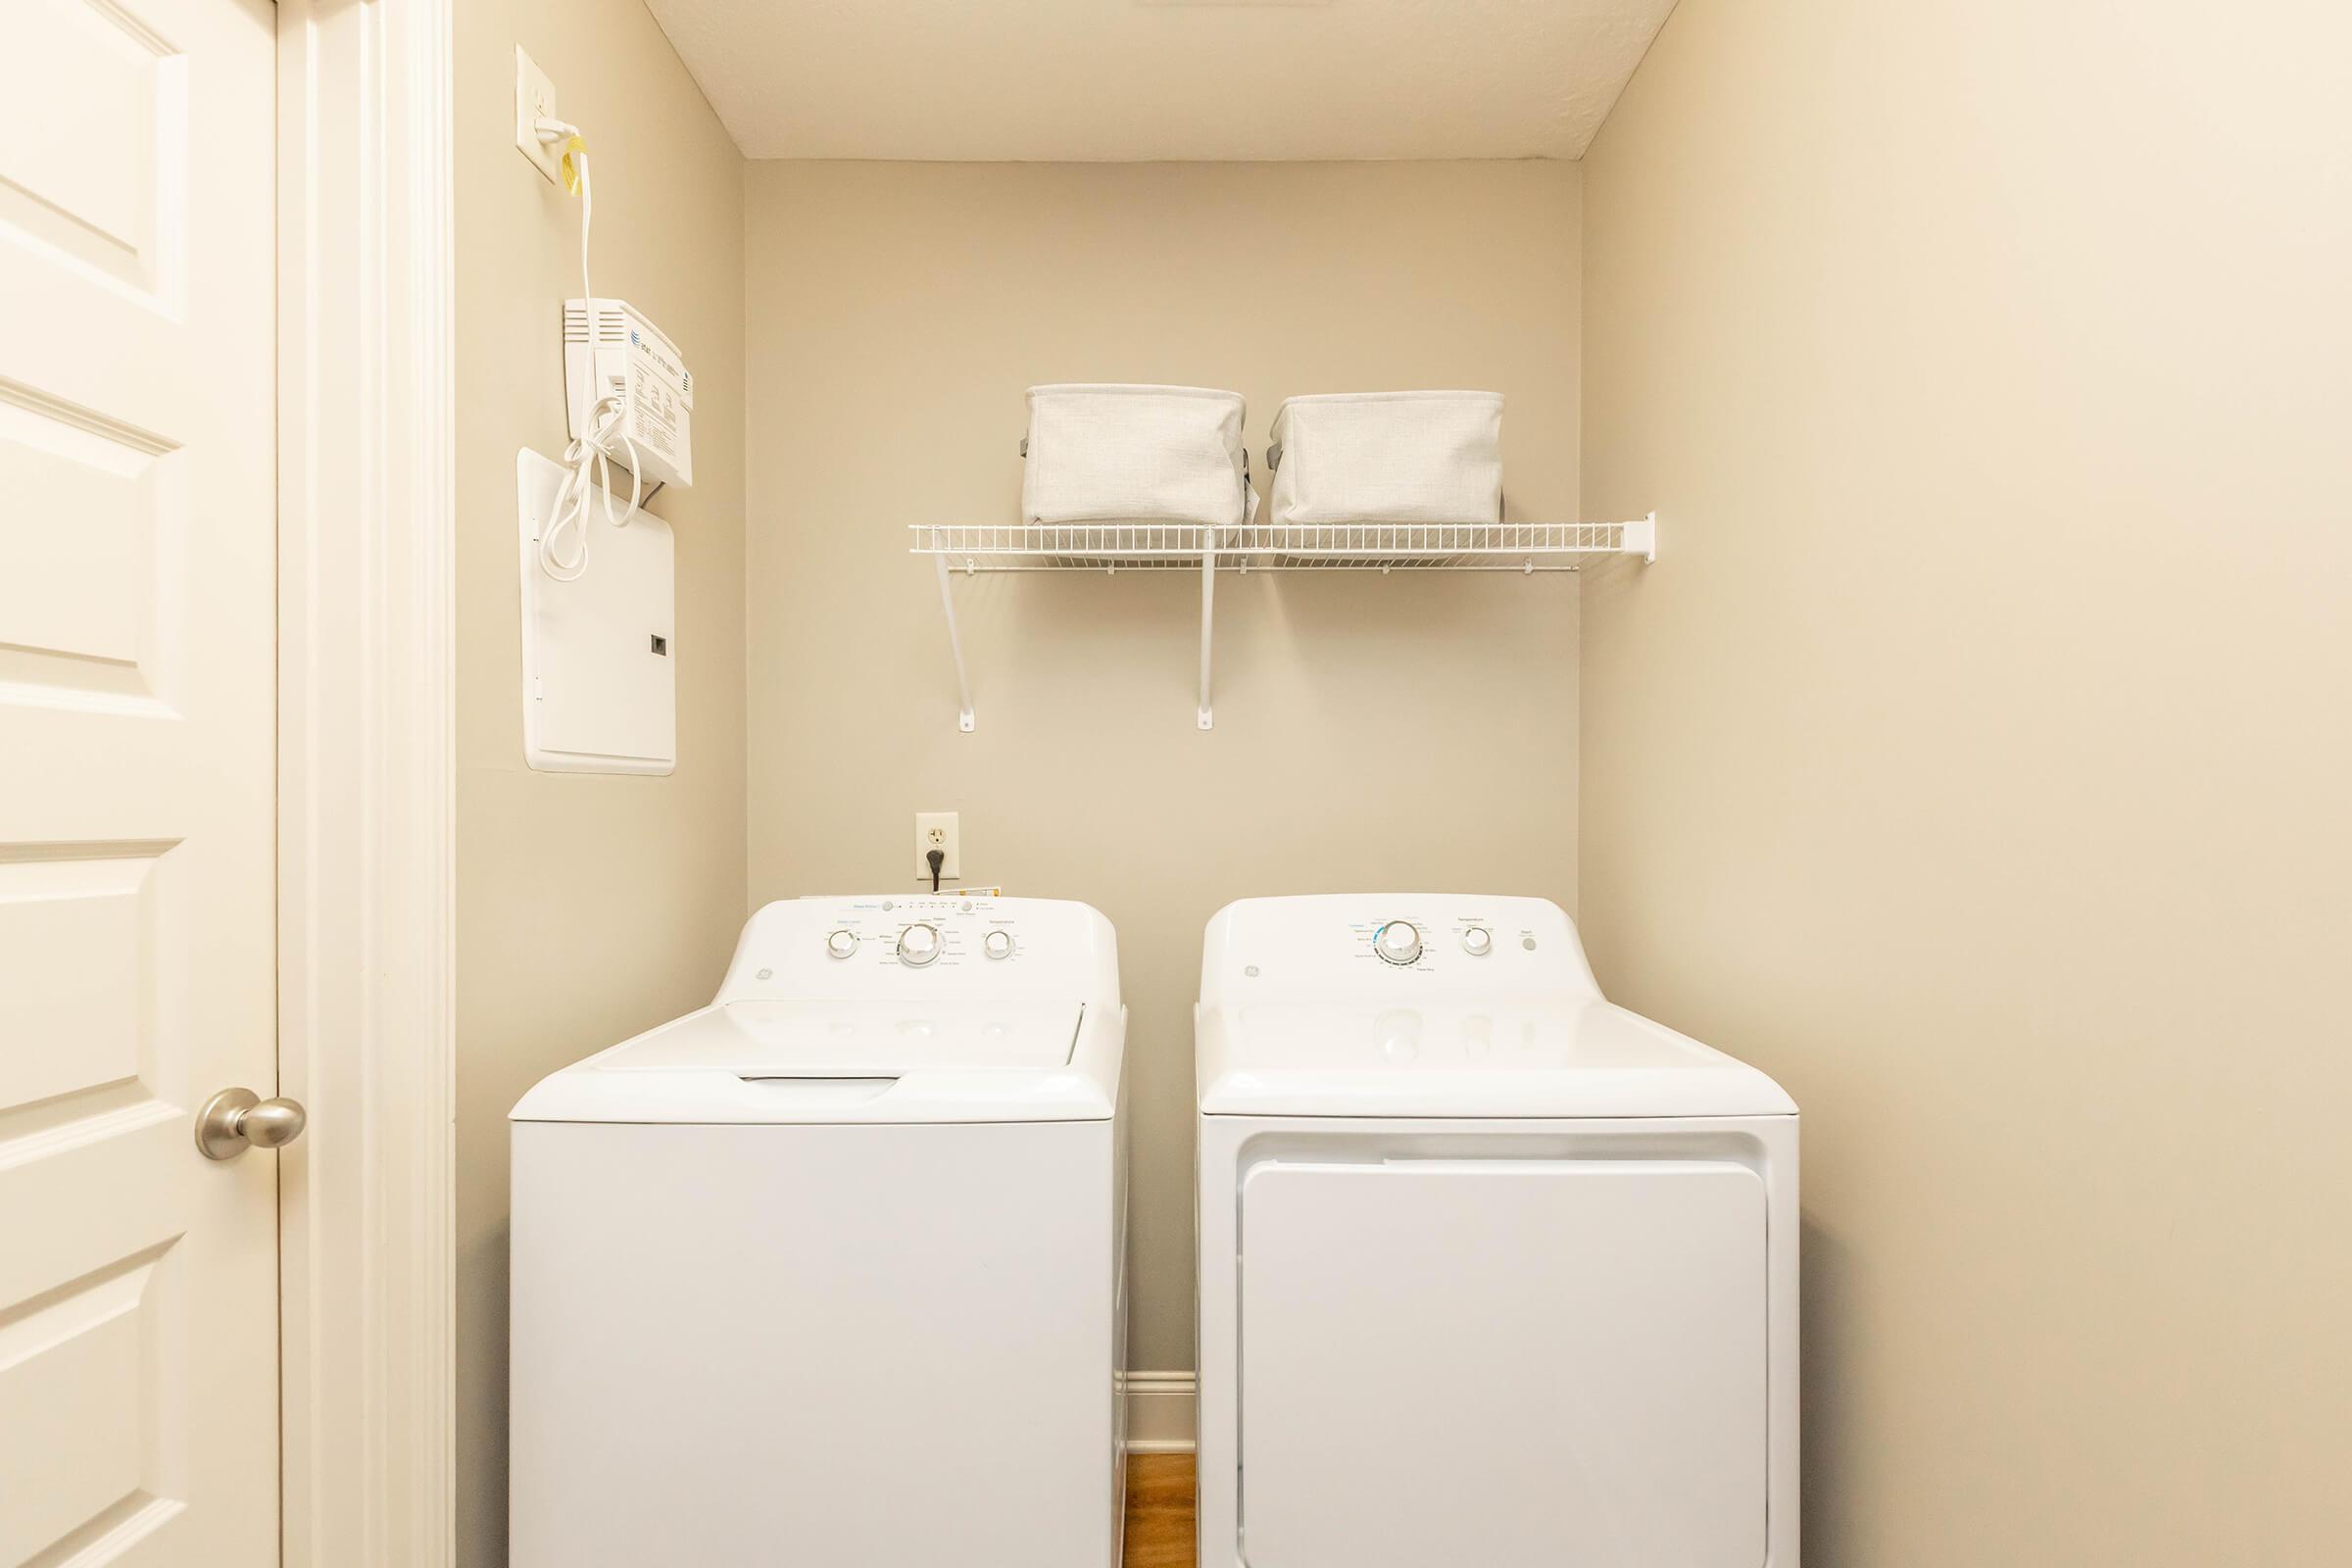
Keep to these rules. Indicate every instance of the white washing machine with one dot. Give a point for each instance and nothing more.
(1492, 1272)
(830, 1270)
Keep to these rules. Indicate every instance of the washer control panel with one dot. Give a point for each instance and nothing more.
(919, 932)
(923, 945)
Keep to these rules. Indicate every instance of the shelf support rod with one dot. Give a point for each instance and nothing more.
(963, 686)
(1208, 599)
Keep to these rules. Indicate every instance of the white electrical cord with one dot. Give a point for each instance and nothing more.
(588, 458)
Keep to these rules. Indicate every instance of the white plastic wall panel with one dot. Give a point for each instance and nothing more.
(600, 688)
(1510, 1364)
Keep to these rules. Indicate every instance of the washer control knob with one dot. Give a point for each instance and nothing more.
(1477, 942)
(1399, 942)
(997, 944)
(918, 945)
(842, 944)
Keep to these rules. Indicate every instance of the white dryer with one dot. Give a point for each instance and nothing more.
(1492, 1272)
(829, 1271)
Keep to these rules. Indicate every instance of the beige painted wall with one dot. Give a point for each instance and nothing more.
(1976, 755)
(587, 908)
(1370, 732)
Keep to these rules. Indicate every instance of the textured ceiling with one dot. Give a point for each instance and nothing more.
(1115, 81)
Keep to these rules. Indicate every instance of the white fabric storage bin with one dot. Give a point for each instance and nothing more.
(1388, 457)
(1134, 453)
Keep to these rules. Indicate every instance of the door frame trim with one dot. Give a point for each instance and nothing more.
(367, 820)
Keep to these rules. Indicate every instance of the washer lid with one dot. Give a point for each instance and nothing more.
(855, 1039)
(1510, 1058)
(843, 1060)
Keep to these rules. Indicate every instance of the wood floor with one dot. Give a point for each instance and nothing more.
(1159, 1510)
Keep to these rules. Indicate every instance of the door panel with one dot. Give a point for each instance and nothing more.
(1513, 1363)
(139, 1283)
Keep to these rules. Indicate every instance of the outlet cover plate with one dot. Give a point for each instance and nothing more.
(951, 839)
(534, 100)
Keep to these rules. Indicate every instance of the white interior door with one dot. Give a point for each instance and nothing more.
(1512, 1363)
(138, 1279)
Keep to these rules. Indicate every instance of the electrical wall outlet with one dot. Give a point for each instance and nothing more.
(534, 100)
(936, 831)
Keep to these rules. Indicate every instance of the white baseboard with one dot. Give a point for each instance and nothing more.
(1160, 1416)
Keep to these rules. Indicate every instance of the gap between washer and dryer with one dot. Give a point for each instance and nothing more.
(1159, 1511)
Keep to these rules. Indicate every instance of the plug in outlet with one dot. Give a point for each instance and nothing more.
(534, 101)
(936, 831)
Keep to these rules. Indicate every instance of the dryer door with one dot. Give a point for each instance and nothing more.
(1512, 1363)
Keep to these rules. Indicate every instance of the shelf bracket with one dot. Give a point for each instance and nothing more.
(1208, 599)
(963, 687)
(1642, 537)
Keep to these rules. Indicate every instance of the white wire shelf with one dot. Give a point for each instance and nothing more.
(1114, 546)
(1063, 547)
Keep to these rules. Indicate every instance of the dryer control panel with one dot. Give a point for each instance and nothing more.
(1404, 944)
(928, 945)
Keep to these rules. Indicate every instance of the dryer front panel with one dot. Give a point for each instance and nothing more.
(1518, 1364)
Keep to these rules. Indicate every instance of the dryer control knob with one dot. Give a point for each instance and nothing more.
(918, 945)
(842, 944)
(1399, 942)
(1477, 942)
(997, 944)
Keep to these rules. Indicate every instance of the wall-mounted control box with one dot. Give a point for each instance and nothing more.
(610, 350)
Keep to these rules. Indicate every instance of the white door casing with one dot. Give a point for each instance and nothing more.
(138, 1281)
(366, 521)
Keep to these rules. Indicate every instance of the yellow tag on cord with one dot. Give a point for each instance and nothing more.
(571, 171)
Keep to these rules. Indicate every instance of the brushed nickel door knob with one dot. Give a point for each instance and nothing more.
(237, 1119)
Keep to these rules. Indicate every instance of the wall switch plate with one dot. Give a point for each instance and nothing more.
(534, 100)
(937, 830)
